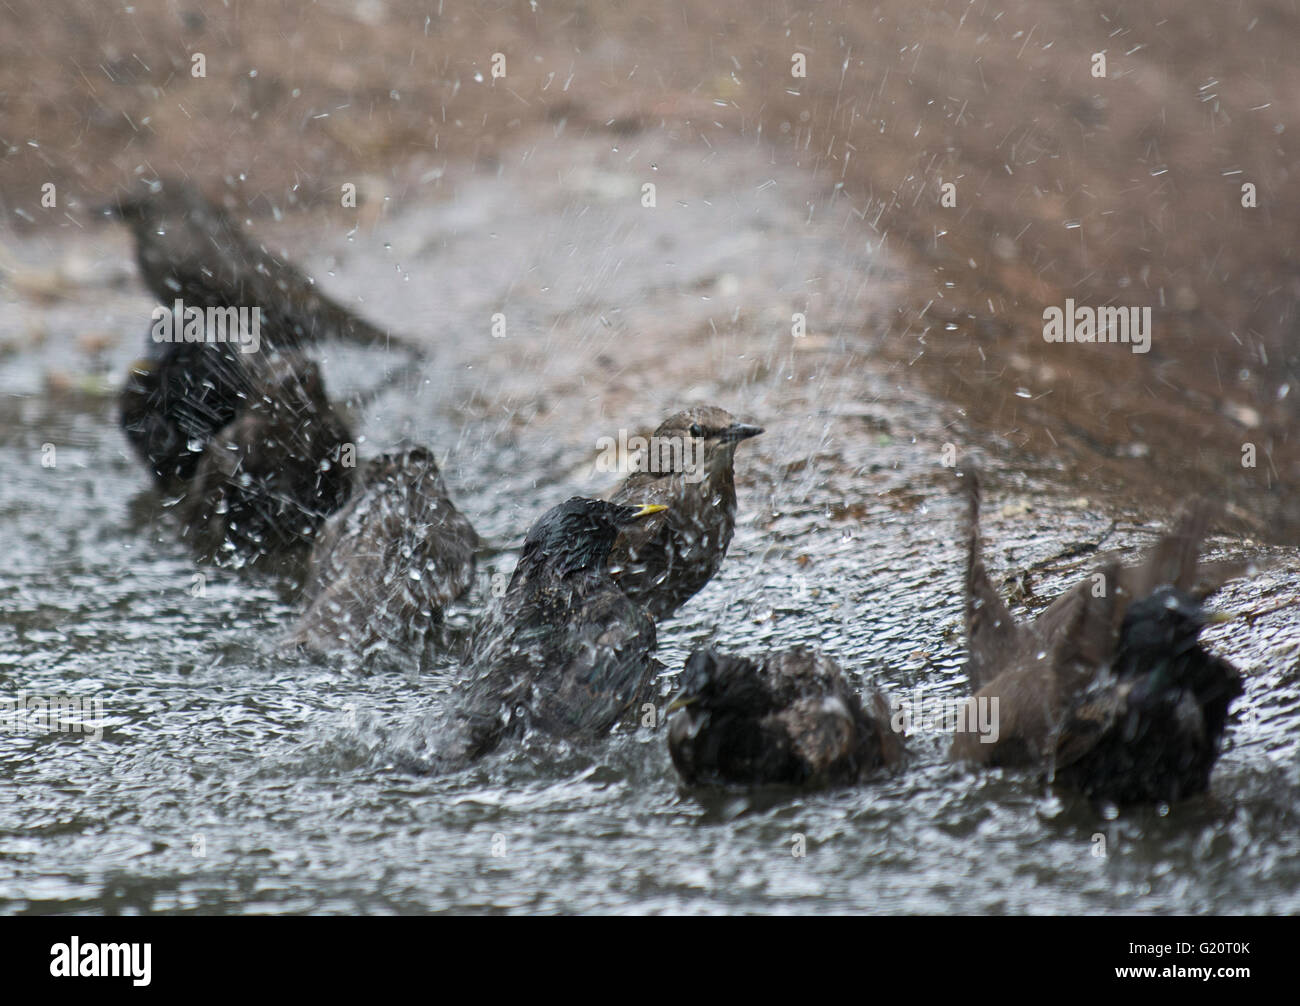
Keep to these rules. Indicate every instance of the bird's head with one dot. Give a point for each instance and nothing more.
(151, 203)
(713, 681)
(578, 534)
(713, 434)
(142, 202)
(716, 688)
(1165, 623)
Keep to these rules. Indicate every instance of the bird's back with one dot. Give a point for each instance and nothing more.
(572, 656)
(269, 479)
(385, 565)
(788, 718)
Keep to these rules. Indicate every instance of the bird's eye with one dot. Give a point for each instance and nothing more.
(697, 431)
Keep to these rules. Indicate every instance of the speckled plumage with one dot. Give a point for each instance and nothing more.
(268, 480)
(564, 651)
(784, 718)
(664, 560)
(1108, 690)
(384, 567)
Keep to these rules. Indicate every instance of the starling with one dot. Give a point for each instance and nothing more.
(175, 401)
(189, 249)
(269, 479)
(784, 718)
(689, 469)
(564, 650)
(384, 567)
(1108, 689)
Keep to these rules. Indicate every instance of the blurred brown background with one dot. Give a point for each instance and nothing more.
(1124, 190)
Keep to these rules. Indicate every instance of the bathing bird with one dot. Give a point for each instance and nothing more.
(564, 650)
(780, 718)
(190, 249)
(385, 566)
(269, 479)
(689, 469)
(1109, 690)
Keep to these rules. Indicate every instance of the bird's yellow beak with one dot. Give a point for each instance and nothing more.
(681, 702)
(1218, 617)
(648, 509)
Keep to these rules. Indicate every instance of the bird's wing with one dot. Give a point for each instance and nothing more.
(1210, 576)
(1174, 559)
(876, 707)
(1080, 628)
(993, 637)
(506, 656)
(1010, 721)
(606, 665)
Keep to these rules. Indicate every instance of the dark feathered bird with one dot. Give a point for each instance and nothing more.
(175, 401)
(564, 650)
(190, 249)
(1108, 690)
(784, 718)
(385, 566)
(663, 561)
(268, 480)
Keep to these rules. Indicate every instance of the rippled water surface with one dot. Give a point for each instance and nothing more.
(233, 779)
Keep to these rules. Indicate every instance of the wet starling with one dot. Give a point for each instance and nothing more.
(190, 249)
(564, 650)
(784, 718)
(175, 401)
(662, 562)
(268, 480)
(1108, 690)
(385, 566)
